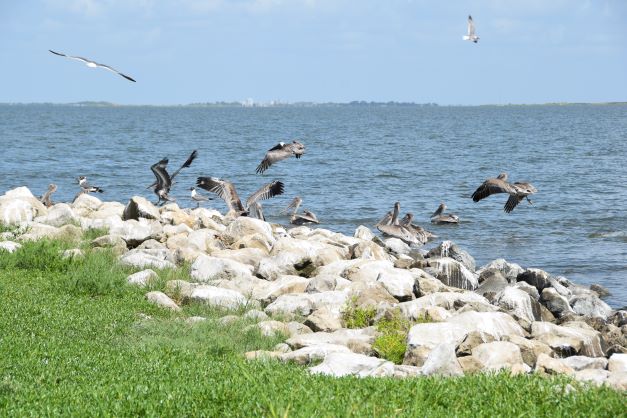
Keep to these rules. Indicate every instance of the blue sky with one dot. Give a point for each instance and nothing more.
(183, 51)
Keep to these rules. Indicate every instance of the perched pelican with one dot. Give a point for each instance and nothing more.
(390, 226)
(227, 192)
(197, 197)
(439, 217)
(422, 235)
(471, 36)
(517, 191)
(164, 181)
(297, 219)
(92, 64)
(280, 152)
(46, 199)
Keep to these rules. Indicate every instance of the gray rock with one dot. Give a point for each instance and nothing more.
(519, 304)
(396, 246)
(350, 364)
(159, 259)
(58, 215)
(498, 355)
(590, 306)
(472, 340)
(595, 377)
(617, 380)
(142, 278)
(578, 363)
(357, 340)
(364, 233)
(601, 291)
(509, 270)
(617, 363)
(529, 349)
(446, 300)
(217, 296)
(255, 315)
(162, 300)
(314, 353)
(527, 288)
(324, 319)
(548, 365)
(282, 286)
(441, 361)
(492, 282)
(9, 246)
(207, 268)
(453, 273)
(452, 250)
(568, 340)
(321, 284)
(399, 283)
(535, 277)
(72, 253)
(556, 303)
(293, 304)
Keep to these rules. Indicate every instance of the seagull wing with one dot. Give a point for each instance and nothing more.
(85, 60)
(265, 192)
(222, 188)
(490, 187)
(274, 155)
(187, 163)
(471, 26)
(107, 67)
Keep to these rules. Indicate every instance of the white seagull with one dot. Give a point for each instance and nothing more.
(92, 64)
(471, 31)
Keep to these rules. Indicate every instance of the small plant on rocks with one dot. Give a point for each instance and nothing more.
(357, 317)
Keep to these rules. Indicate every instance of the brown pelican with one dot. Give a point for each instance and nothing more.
(390, 226)
(307, 217)
(280, 152)
(92, 64)
(46, 199)
(187, 163)
(422, 235)
(227, 192)
(197, 197)
(164, 181)
(439, 217)
(517, 191)
(471, 36)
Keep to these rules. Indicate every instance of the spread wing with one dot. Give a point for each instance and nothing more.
(296, 202)
(256, 211)
(222, 188)
(164, 181)
(439, 210)
(471, 26)
(274, 155)
(512, 202)
(265, 192)
(187, 163)
(107, 67)
(490, 187)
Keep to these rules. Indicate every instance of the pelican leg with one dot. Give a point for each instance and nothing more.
(529, 200)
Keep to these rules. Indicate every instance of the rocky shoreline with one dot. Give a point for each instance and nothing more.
(311, 284)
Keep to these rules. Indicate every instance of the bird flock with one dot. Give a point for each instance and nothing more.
(390, 225)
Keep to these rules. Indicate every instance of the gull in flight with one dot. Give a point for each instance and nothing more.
(92, 64)
(280, 152)
(517, 191)
(471, 31)
(226, 190)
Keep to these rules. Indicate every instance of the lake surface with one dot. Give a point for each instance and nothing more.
(359, 161)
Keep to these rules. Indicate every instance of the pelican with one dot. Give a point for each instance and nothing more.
(439, 217)
(197, 197)
(226, 190)
(187, 163)
(517, 191)
(46, 199)
(164, 181)
(280, 152)
(390, 226)
(471, 36)
(92, 64)
(297, 219)
(422, 235)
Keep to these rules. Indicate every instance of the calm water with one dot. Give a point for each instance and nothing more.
(359, 161)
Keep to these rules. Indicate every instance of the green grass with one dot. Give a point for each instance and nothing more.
(392, 343)
(84, 350)
(357, 317)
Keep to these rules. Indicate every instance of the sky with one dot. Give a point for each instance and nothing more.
(189, 51)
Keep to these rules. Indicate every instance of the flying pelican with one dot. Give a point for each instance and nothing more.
(471, 36)
(197, 197)
(46, 199)
(92, 64)
(439, 217)
(164, 181)
(226, 190)
(297, 219)
(517, 191)
(280, 152)
(164, 162)
(390, 226)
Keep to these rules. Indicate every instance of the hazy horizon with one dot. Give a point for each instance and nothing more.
(190, 51)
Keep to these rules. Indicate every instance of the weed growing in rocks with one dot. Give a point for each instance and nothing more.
(392, 342)
(357, 317)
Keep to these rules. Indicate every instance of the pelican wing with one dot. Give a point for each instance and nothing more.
(439, 210)
(512, 202)
(222, 188)
(187, 163)
(256, 211)
(294, 204)
(272, 156)
(265, 192)
(490, 187)
(471, 26)
(386, 220)
(164, 182)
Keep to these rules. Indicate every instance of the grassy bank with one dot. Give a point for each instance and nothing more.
(74, 340)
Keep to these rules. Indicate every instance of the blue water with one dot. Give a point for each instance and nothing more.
(359, 161)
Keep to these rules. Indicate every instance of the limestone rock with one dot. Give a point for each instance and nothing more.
(568, 340)
(617, 380)
(498, 355)
(159, 259)
(529, 349)
(556, 303)
(283, 285)
(58, 215)
(578, 363)
(519, 304)
(453, 273)
(452, 250)
(357, 340)
(350, 364)
(535, 277)
(163, 300)
(399, 283)
(324, 319)
(207, 268)
(291, 304)
(595, 377)
(140, 207)
(142, 278)
(590, 306)
(617, 363)
(217, 296)
(9, 246)
(307, 355)
(441, 361)
(363, 232)
(548, 365)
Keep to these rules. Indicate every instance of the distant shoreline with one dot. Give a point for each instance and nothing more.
(351, 104)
